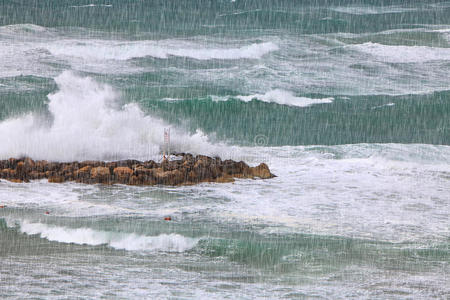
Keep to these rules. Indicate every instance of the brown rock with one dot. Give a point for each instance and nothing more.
(150, 164)
(134, 180)
(52, 167)
(192, 177)
(40, 165)
(36, 175)
(262, 171)
(100, 174)
(122, 174)
(171, 165)
(56, 179)
(12, 162)
(92, 163)
(204, 158)
(29, 164)
(111, 166)
(20, 168)
(224, 179)
(83, 173)
(122, 171)
(188, 170)
(142, 170)
(9, 173)
(16, 180)
(128, 163)
(231, 167)
(176, 177)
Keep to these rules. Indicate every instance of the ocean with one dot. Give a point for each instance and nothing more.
(348, 102)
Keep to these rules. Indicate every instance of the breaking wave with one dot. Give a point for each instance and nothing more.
(404, 54)
(116, 50)
(277, 96)
(87, 124)
(122, 241)
(285, 98)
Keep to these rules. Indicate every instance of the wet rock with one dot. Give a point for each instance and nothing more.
(83, 173)
(150, 164)
(100, 175)
(225, 179)
(56, 179)
(12, 162)
(187, 170)
(40, 165)
(91, 163)
(262, 171)
(36, 175)
(29, 164)
(16, 180)
(122, 174)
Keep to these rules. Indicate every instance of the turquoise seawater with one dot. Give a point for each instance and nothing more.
(348, 102)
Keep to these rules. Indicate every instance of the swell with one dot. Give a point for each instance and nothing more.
(346, 120)
(280, 252)
(118, 240)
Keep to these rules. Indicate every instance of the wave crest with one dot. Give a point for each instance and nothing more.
(113, 50)
(86, 124)
(404, 54)
(122, 241)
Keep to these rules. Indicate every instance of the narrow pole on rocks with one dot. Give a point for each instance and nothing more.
(166, 143)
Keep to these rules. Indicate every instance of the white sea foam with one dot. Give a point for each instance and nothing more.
(91, 5)
(117, 240)
(304, 63)
(392, 192)
(404, 54)
(384, 105)
(286, 98)
(278, 96)
(372, 10)
(87, 124)
(27, 49)
(116, 50)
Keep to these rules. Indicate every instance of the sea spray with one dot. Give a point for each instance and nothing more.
(87, 124)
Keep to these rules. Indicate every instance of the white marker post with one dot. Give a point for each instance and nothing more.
(166, 142)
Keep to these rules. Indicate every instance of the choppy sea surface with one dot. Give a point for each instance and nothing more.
(348, 102)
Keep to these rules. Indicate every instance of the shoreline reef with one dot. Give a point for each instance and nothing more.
(188, 170)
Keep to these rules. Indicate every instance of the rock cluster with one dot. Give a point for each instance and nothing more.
(187, 170)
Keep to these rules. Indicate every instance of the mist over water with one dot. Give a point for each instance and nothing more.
(348, 104)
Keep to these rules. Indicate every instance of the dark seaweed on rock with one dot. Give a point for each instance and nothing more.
(187, 170)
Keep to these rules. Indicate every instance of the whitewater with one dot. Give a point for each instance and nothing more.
(348, 105)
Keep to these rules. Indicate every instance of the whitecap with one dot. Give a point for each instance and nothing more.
(117, 240)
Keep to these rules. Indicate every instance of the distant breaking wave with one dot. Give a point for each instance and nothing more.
(117, 240)
(285, 98)
(372, 10)
(91, 5)
(115, 50)
(404, 54)
(277, 96)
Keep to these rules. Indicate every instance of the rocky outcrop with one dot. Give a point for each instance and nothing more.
(186, 170)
